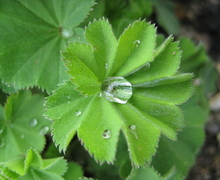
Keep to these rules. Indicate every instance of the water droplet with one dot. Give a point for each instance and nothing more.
(117, 89)
(99, 94)
(137, 43)
(78, 113)
(68, 97)
(106, 134)
(2, 143)
(106, 65)
(22, 136)
(1, 131)
(68, 102)
(67, 33)
(44, 130)
(132, 129)
(33, 122)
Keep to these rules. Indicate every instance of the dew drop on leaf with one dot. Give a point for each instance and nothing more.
(106, 65)
(137, 43)
(44, 130)
(2, 143)
(78, 113)
(99, 94)
(33, 122)
(117, 89)
(67, 33)
(68, 102)
(106, 134)
(132, 129)
(1, 131)
(22, 136)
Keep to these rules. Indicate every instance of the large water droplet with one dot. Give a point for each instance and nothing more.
(33, 122)
(137, 43)
(106, 134)
(67, 33)
(2, 143)
(78, 113)
(117, 89)
(44, 130)
(132, 129)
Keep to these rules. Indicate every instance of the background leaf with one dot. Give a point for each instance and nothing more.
(33, 33)
(23, 122)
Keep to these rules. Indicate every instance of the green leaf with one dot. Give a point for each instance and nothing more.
(78, 59)
(144, 173)
(55, 165)
(74, 171)
(166, 62)
(32, 166)
(6, 173)
(142, 110)
(22, 122)
(99, 34)
(181, 153)
(33, 33)
(135, 49)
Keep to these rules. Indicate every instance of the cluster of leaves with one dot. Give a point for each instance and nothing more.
(128, 134)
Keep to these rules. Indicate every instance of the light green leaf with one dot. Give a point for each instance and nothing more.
(141, 135)
(181, 153)
(6, 174)
(23, 122)
(74, 171)
(99, 34)
(135, 49)
(78, 59)
(142, 110)
(100, 128)
(33, 33)
(55, 165)
(167, 89)
(166, 62)
(144, 173)
(32, 166)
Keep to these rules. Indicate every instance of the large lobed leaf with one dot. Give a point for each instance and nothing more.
(32, 35)
(129, 65)
(22, 125)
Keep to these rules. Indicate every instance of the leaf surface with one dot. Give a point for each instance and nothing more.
(23, 122)
(33, 34)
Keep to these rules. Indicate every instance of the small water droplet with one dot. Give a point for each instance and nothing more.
(33, 122)
(137, 43)
(99, 94)
(2, 143)
(1, 131)
(174, 53)
(67, 33)
(22, 136)
(12, 126)
(106, 134)
(44, 130)
(68, 97)
(68, 102)
(117, 89)
(132, 129)
(78, 113)
(106, 65)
